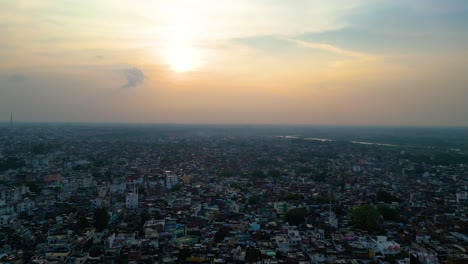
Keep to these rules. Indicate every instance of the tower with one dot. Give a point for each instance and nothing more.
(11, 118)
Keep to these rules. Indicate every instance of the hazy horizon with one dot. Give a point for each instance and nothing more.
(265, 62)
(78, 123)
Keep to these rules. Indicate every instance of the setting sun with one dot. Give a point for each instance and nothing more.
(182, 59)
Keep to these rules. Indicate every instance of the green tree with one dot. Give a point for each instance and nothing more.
(96, 174)
(39, 149)
(95, 252)
(101, 218)
(82, 223)
(176, 187)
(253, 200)
(33, 187)
(320, 176)
(389, 214)
(221, 234)
(144, 216)
(365, 217)
(258, 174)
(338, 209)
(293, 196)
(23, 215)
(295, 216)
(274, 174)
(11, 163)
(141, 189)
(226, 173)
(386, 197)
(185, 253)
(235, 185)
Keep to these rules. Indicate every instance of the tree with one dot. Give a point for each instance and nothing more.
(340, 184)
(386, 197)
(95, 252)
(320, 176)
(11, 163)
(96, 174)
(338, 209)
(185, 253)
(221, 234)
(176, 187)
(101, 218)
(258, 174)
(365, 217)
(82, 223)
(142, 190)
(253, 255)
(33, 187)
(23, 215)
(295, 216)
(274, 174)
(226, 173)
(253, 200)
(293, 196)
(144, 216)
(389, 214)
(39, 149)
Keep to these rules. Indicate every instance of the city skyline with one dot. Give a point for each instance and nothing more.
(244, 62)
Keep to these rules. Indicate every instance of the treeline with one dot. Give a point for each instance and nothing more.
(11, 163)
(368, 217)
(440, 158)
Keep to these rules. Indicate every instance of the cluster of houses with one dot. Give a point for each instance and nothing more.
(226, 199)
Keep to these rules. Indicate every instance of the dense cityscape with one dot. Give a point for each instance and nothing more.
(229, 132)
(230, 194)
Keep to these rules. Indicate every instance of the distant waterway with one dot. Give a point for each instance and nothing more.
(320, 139)
(288, 136)
(373, 143)
(352, 141)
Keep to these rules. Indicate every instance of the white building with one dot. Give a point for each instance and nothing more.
(24, 206)
(282, 243)
(294, 237)
(87, 181)
(131, 201)
(5, 220)
(96, 203)
(171, 181)
(462, 197)
(234, 207)
(7, 209)
(384, 246)
(332, 220)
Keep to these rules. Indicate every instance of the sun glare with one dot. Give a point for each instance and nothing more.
(180, 50)
(182, 59)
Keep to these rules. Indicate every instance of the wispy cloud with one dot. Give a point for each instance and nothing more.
(134, 77)
(332, 49)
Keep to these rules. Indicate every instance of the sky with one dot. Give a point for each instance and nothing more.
(334, 62)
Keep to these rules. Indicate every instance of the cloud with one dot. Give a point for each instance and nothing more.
(332, 49)
(16, 78)
(134, 77)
